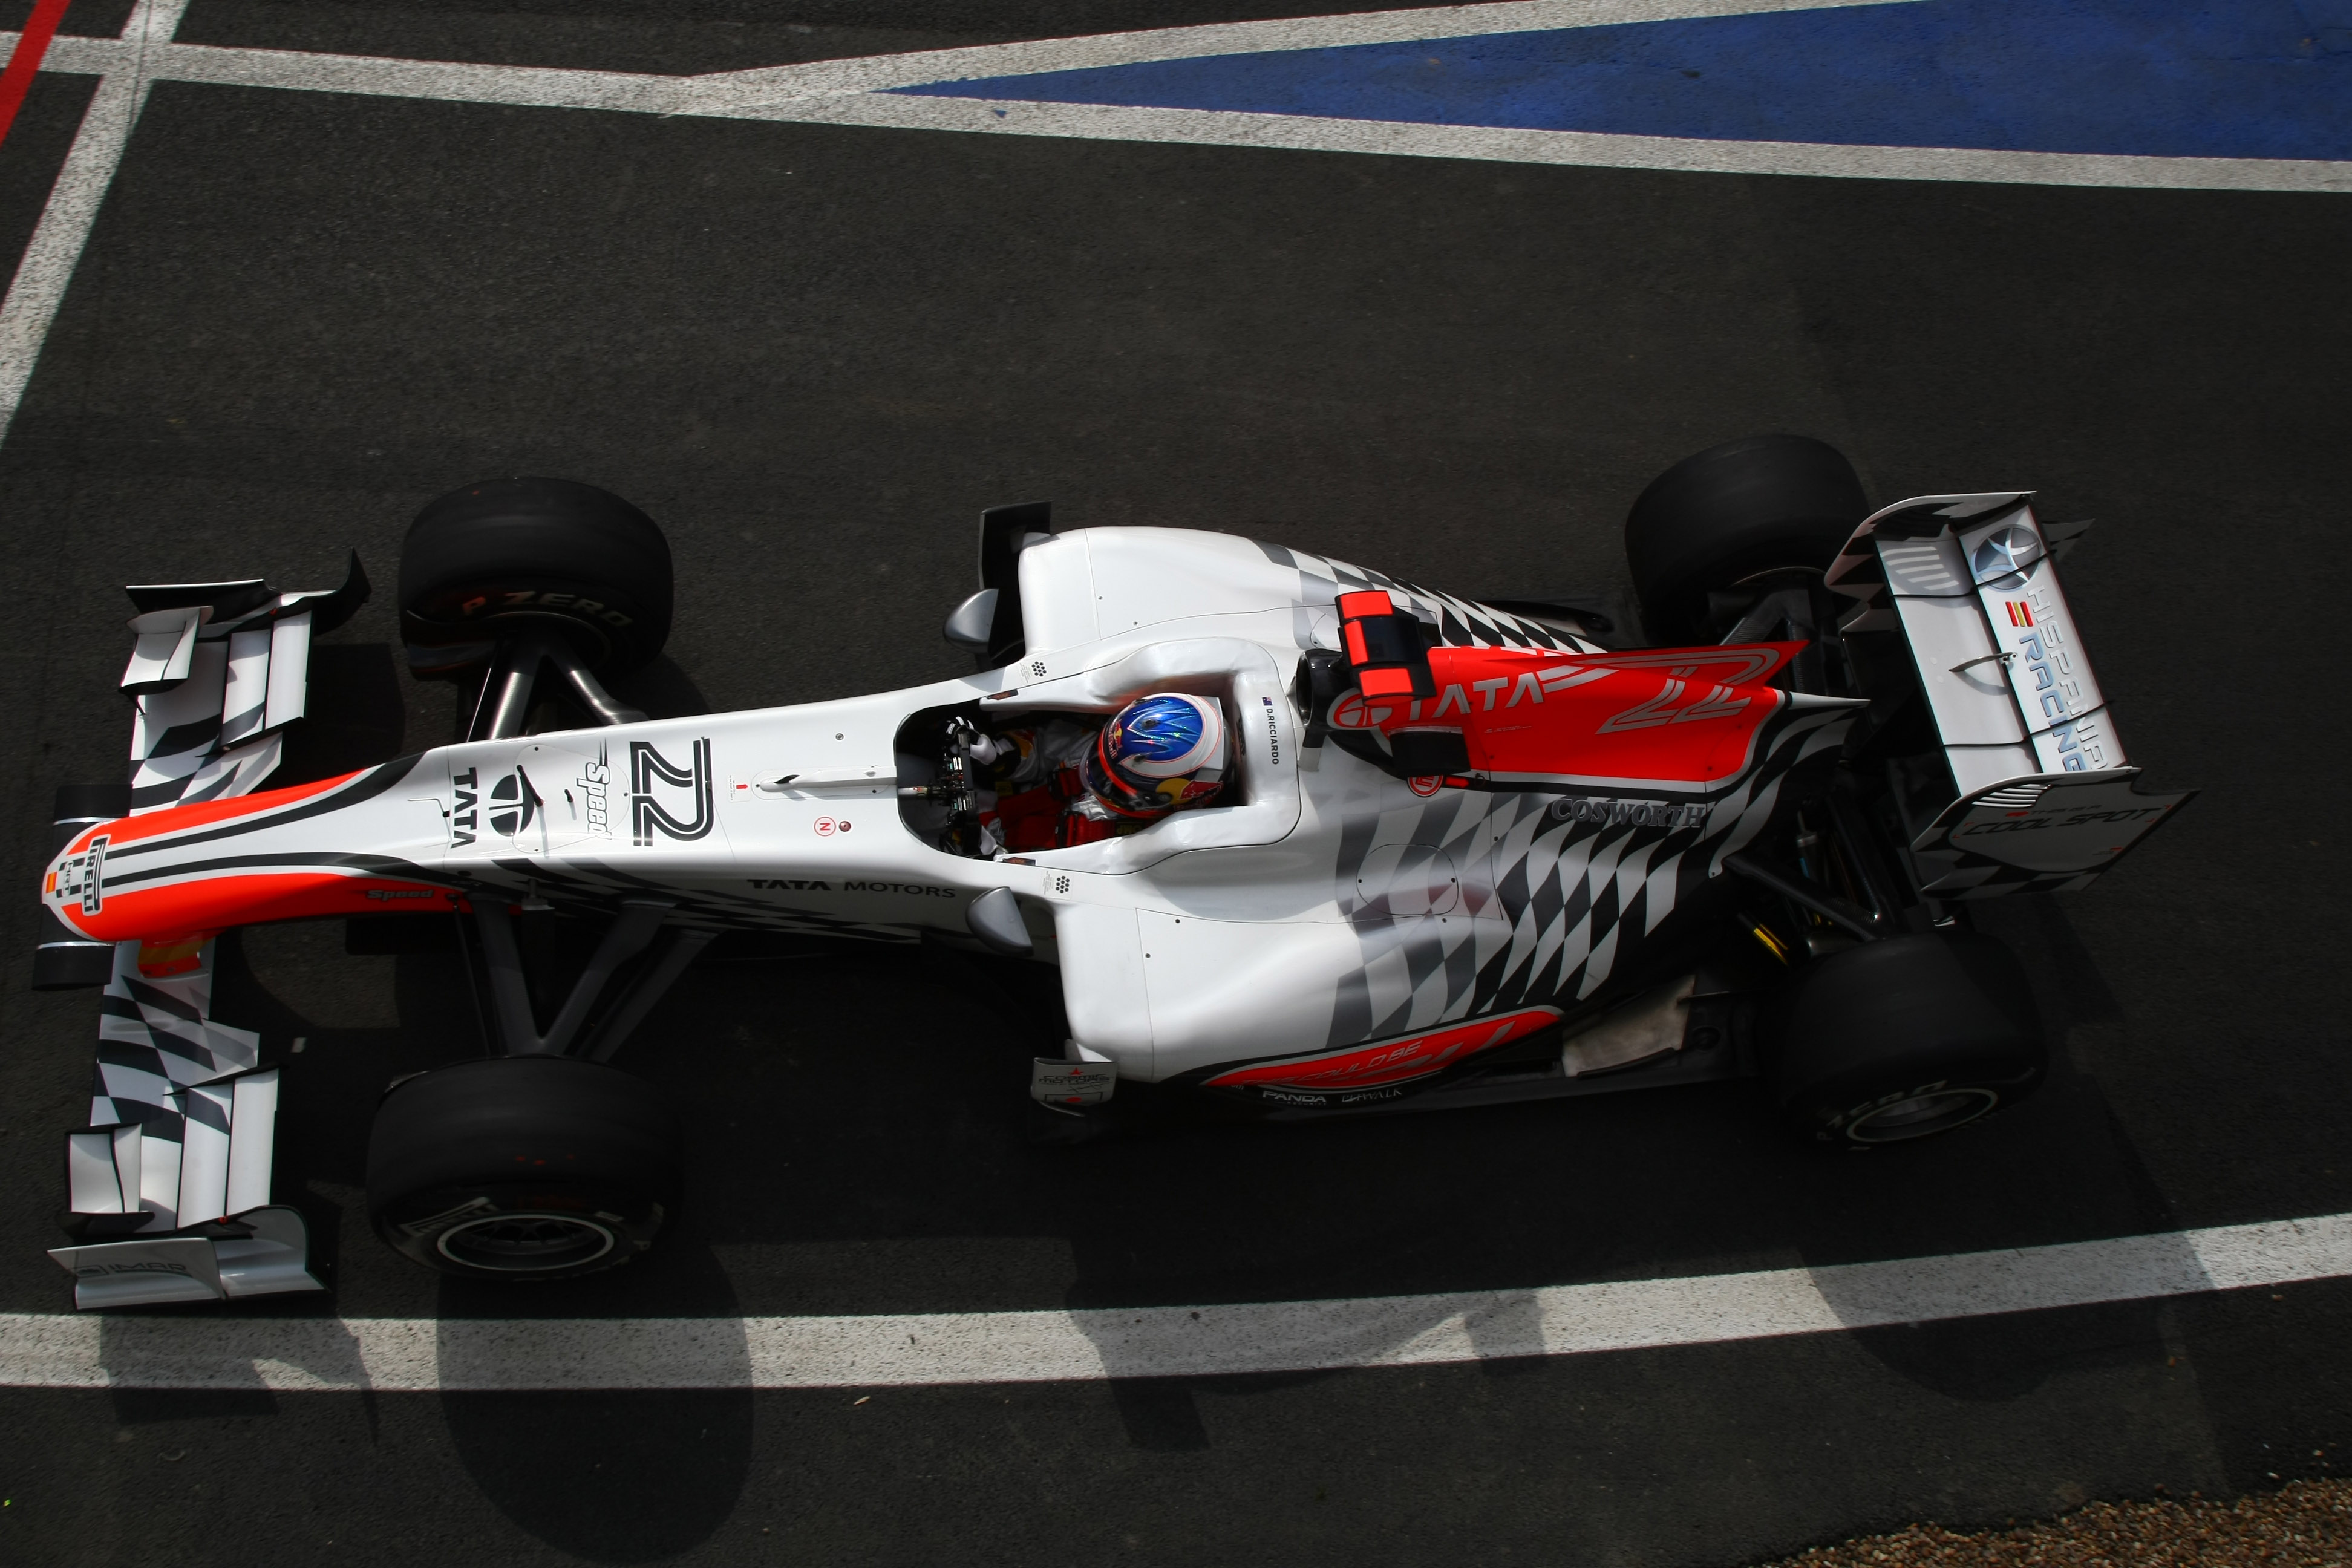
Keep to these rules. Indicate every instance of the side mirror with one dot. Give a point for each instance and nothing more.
(994, 916)
(970, 626)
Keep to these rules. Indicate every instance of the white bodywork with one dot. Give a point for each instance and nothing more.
(1214, 935)
(1322, 933)
(1319, 904)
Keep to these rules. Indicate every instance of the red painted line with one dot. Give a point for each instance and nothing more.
(26, 58)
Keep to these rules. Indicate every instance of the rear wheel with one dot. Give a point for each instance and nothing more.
(1744, 511)
(1906, 1038)
(505, 553)
(522, 1168)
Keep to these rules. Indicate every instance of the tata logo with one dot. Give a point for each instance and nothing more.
(513, 803)
(464, 808)
(666, 800)
(1352, 712)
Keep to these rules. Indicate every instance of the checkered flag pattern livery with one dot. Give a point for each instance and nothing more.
(155, 1039)
(1544, 900)
(1460, 622)
(177, 1087)
(213, 696)
(216, 672)
(179, 750)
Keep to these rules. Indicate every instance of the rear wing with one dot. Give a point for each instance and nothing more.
(2042, 798)
(169, 1186)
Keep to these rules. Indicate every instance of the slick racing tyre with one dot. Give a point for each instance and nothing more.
(554, 552)
(522, 1168)
(1734, 512)
(1906, 1038)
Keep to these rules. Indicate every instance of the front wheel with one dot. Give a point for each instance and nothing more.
(522, 1168)
(505, 555)
(1904, 1038)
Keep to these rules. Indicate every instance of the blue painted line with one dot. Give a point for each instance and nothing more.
(2231, 79)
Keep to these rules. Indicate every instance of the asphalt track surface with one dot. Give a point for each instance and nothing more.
(814, 351)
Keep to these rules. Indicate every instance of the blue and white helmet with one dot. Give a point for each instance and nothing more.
(1158, 752)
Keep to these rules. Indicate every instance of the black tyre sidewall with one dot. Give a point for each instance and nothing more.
(1759, 504)
(556, 551)
(1933, 1013)
(518, 1136)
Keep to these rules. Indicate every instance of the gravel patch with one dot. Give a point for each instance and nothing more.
(2303, 1524)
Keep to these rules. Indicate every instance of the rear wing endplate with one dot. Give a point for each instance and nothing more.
(2045, 797)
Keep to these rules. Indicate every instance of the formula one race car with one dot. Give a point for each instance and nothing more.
(1448, 853)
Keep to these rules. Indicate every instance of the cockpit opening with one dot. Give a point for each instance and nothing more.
(985, 784)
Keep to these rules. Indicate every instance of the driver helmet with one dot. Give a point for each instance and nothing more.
(1158, 752)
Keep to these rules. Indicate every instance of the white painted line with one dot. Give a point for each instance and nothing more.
(719, 91)
(529, 87)
(413, 1355)
(843, 92)
(1396, 139)
(874, 73)
(47, 264)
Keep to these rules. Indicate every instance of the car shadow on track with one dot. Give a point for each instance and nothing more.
(357, 716)
(861, 1144)
(2086, 1168)
(619, 1475)
(1649, 1185)
(613, 1475)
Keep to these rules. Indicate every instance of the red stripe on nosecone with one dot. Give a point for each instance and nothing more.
(211, 904)
(204, 813)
